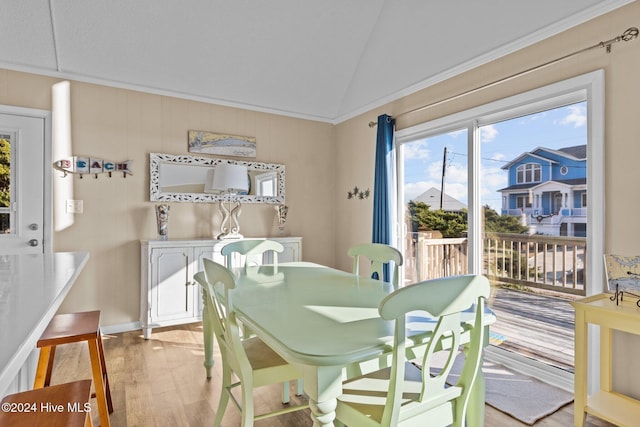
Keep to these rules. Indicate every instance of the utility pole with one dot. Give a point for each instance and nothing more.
(444, 168)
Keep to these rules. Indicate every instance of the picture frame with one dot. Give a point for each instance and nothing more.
(221, 144)
(622, 273)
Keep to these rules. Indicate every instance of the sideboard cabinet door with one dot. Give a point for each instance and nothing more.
(168, 293)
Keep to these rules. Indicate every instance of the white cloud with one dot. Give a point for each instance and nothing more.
(577, 116)
(488, 133)
(417, 150)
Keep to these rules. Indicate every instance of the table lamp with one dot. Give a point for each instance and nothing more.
(230, 179)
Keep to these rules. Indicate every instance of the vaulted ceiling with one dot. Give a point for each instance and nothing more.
(323, 60)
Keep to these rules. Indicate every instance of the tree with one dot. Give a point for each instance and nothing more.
(450, 224)
(454, 224)
(5, 172)
(502, 223)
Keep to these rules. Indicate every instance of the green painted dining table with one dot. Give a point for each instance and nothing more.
(325, 322)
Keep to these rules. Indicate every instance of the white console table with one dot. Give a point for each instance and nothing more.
(168, 293)
(32, 288)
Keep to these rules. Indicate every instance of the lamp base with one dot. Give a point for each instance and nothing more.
(229, 236)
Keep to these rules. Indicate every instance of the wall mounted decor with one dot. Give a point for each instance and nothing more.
(357, 193)
(90, 165)
(189, 179)
(221, 144)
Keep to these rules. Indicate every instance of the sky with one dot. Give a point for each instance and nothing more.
(500, 143)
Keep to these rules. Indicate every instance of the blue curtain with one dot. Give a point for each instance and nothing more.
(382, 188)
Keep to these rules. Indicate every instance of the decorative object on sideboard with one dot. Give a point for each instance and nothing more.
(357, 193)
(623, 276)
(184, 178)
(90, 165)
(281, 217)
(231, 179)
(221, 144)
(162, 220)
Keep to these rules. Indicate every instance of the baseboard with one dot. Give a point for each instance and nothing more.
(549, 374)
(121, 327)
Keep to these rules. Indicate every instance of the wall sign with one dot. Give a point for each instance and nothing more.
(90, 165)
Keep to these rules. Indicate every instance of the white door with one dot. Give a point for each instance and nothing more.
(22, 140)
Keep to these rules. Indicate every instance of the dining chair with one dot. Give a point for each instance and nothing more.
(406, 395)
(378, 254)
(252, 250)
(253, 362)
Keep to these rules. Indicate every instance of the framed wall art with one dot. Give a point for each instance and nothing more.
(220, 144)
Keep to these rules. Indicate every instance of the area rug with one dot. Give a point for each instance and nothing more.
(524, 398)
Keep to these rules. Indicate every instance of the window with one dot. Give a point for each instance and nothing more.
(523, 202)
(530, 172)
(485, 170)
(6, 185)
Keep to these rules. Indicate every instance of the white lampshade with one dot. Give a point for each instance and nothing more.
(230, 178)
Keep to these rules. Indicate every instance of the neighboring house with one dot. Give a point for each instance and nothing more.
(432, 198)
(548, 190)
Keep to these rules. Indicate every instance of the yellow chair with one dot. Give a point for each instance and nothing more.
(379, 255)
(404, 395)
(250, 359)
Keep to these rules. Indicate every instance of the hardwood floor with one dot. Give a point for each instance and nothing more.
(161, 382)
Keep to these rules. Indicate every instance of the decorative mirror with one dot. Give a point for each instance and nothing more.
(188, 179)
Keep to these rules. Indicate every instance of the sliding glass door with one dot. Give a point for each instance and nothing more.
(512, 190)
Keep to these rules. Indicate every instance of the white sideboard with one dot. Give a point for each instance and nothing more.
(168, 293)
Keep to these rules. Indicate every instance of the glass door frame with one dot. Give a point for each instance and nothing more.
(587, 87)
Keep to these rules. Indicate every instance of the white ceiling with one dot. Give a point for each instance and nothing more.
(323, 60)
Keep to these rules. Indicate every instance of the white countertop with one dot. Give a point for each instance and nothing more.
(32, 288)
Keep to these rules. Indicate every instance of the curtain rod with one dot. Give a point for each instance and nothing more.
(629, 34)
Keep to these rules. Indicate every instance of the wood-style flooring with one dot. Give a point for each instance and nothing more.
(161, 382)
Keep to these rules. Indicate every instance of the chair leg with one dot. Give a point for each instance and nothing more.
(248, 411)
(224, 395)
(43, 367)
(286, 397)
(300, 390)
(98, 382)
(105, 376)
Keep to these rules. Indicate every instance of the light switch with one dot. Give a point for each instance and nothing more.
(75, 206)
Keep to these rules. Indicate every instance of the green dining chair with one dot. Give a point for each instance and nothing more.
(405, 395)
(252, 250)
(253, 362)
(379, 255)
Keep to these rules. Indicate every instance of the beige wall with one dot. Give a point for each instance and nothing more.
(355, 141)
(119, 125)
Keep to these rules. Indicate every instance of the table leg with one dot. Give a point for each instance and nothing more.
(207, 331)
(323, 384)
(580, 377)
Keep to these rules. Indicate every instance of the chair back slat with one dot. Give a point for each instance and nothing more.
(252, 250)
(378, 255)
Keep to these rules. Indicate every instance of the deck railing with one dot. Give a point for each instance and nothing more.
(547, 262)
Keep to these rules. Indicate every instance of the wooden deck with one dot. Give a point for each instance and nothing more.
(537, 325)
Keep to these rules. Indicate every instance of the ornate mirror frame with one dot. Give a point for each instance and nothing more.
(157, 195)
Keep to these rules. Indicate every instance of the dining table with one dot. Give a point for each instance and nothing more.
(325, 322)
